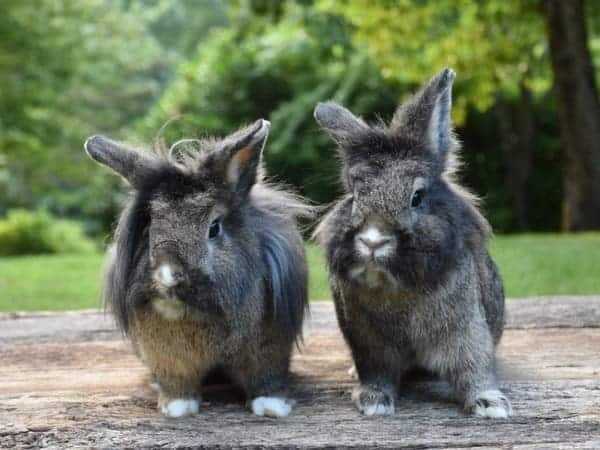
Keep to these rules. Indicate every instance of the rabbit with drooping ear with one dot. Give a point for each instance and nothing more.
(413, 283)
(208, 268)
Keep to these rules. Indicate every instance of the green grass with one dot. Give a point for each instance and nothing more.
(542, 264)
(50, 282)
(548, 264)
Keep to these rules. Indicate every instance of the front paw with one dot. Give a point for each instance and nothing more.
(178, 407)
(372, 401)
(271, 406)
(491, 403)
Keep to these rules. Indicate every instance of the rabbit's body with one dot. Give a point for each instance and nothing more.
(427, 329)
(413, 283)
(208, 270)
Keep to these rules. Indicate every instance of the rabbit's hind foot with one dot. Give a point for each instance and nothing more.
(491, 404)
(372, 401)
(178, 407)
(271, 406)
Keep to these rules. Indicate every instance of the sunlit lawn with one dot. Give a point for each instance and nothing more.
(531, 265)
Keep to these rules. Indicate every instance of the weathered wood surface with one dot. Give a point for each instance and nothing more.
(69, 380)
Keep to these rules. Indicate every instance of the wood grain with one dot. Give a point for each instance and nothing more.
(70, 380)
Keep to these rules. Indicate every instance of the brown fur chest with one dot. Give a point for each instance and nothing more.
(175, 342)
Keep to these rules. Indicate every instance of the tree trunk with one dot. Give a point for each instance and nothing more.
(579, 113)
(516, 128)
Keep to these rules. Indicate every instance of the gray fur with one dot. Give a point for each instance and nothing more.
(413, 283)
(236, 300)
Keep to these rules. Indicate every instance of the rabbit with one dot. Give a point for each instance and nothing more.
(208, 270)
(413, 283)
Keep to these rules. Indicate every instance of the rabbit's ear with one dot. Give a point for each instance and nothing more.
(130, 164)
(238, 159)
(427, 116)
(339, 122)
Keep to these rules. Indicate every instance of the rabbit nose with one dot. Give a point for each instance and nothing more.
(372, 239)
(168, 275)
(374, 244)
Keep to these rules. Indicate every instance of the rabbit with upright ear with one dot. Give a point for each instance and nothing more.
(413, 283)
(208, 268)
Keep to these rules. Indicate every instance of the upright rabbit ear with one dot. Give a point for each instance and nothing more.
(427, 116)
(339, 122)
(130, 164)
(238, 158)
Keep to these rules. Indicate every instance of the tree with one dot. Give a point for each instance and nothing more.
(65, 75)
(579, 109)
(70, 69)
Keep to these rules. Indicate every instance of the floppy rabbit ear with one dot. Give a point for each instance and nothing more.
(338, 122)
(129, 163)
(238, 159)
(426, 117)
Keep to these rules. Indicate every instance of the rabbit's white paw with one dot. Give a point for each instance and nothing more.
(492, 404)
(271, 406)
(179, 407)
(373, 402)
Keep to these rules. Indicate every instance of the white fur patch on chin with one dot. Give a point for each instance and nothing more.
(180, 407)
(492, 404)
(164, 274)
(271, 407)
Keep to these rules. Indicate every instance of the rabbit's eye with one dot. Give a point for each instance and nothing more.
(416, 198)
(215, 229)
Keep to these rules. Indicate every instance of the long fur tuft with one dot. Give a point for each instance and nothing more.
(131, 236)
(283, 255)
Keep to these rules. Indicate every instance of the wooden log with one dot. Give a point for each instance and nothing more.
(69, 380)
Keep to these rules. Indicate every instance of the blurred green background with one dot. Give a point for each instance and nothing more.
(156, 71)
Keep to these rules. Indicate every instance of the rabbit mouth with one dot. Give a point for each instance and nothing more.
(168, 308)
(371, 274)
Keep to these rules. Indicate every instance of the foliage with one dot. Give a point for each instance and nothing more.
(494, 45)
(125, 68)
(71, 69)
(180, 26)
(65, 74)
(277, 70)
(277, 60)
(33, 232)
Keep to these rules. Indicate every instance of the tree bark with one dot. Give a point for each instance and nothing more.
(579, 113)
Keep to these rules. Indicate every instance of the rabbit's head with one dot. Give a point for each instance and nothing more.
(192, 213)
(403, 220)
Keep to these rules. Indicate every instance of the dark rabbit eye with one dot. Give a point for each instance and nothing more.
(215, 229)
(416, 198)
